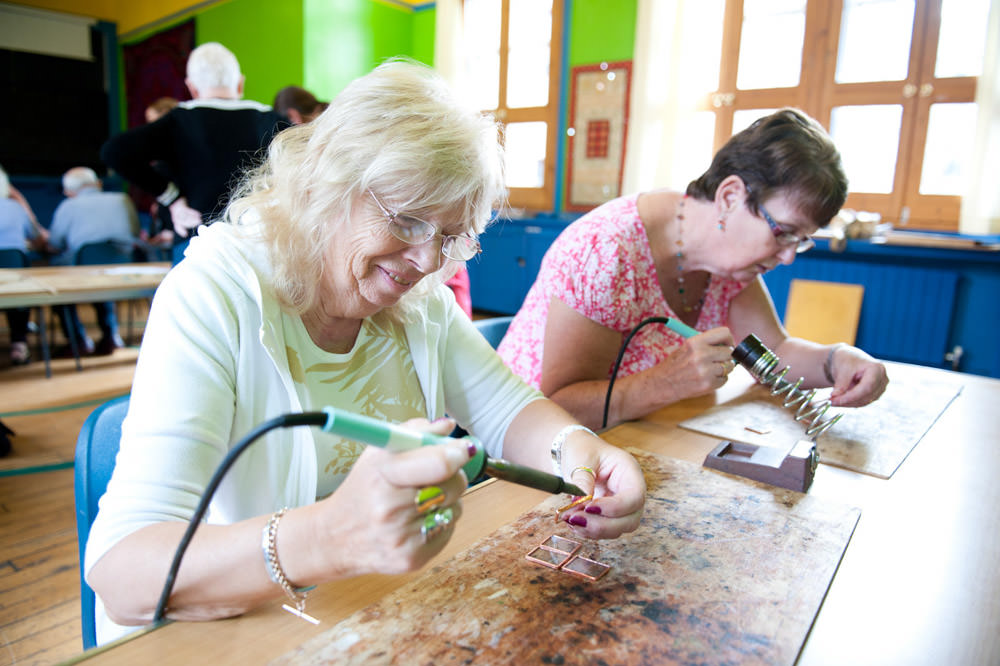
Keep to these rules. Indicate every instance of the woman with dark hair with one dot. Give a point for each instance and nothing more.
(697, 257)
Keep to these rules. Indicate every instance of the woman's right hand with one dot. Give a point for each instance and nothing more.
(373, 522)
(700, 365)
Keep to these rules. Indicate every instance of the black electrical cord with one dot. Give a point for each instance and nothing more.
(618, 361)
(284, 421)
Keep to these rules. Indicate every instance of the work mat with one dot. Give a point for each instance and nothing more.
(874, 439)
(721, 571)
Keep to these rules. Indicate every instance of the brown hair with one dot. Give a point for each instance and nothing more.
(786, 152)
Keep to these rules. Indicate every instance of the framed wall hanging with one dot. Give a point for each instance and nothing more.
(599, 105)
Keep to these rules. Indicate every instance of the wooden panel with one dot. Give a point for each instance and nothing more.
(824, 312)
(720, 571)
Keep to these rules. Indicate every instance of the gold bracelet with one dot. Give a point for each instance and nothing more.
(269, 544)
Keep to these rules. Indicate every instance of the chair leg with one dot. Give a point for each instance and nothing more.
(43, 338)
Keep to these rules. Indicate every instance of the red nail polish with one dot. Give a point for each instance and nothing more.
(594, 509)
(471, 448)
(577, 519)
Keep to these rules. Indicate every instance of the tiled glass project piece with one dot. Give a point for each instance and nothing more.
(559, 553)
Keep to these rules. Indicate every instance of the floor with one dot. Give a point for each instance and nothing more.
(39, 565)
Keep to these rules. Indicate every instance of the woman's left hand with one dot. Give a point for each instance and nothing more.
(858, 379)
(616, 482)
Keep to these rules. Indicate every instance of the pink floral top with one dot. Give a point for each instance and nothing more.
(602, 267)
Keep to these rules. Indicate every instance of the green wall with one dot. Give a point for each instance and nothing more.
(601, 31)
(267, 38)
(345, 39)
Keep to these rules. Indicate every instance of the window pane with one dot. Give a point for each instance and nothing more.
(701, 44)
(962, 40)
(525, 154)
(951, 131)
(874, 40)
(530, 32)
(693, 155)
(868, 140)
(482, 52)
(771, 44)
(743, 118)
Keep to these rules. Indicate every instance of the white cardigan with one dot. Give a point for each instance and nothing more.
(213, 366)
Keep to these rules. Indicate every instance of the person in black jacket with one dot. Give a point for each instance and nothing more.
(205, 143)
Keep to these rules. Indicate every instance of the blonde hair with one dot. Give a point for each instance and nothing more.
(398, 131)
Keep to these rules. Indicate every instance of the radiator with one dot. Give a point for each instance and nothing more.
(906, 312)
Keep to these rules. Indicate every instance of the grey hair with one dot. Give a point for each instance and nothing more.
(4, 184)
(78, 178)
(399, 131)
(212, 65)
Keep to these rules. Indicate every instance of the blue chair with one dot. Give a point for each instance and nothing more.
(96, 450)
(109, 252)
(12, 258)
(493, 329)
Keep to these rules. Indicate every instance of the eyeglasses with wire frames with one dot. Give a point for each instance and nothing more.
(415, 231)
(786, 238)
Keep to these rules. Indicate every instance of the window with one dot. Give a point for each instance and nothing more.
(511, 50)
(893, 80)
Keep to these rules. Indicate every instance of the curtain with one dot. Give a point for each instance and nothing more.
(981, 204)
(448, 40)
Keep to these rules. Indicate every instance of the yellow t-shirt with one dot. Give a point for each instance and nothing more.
(376, 378)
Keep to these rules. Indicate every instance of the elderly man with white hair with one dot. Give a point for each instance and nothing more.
(205, 143)
(90, 215)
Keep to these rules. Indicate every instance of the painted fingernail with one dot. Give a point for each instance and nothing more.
(471, 448)
(577, 519)
(594, 509)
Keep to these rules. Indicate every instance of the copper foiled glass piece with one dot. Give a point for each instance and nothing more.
(547, 557)
(589, 569)
(556, 542)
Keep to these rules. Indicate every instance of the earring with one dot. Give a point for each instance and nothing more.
(722, 222)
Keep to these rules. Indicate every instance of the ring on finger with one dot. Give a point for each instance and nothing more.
(427, 498)
(436, 522)
(583, 468)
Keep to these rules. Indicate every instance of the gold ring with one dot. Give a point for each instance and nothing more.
(585, 469)
(428, 498)
(435, 523)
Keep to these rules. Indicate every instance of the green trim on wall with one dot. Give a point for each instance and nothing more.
(267, 38)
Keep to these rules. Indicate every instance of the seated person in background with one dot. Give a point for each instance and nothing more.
(19, 230)
(323, 287)
(297, 104)
(89, 215)
(159, 237)
(459, 285)
(697, 257)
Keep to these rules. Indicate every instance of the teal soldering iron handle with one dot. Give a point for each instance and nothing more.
(397, 438)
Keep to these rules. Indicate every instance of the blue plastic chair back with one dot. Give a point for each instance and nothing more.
(96, 450)
(11, 258)
(104, 252)
(493, 329)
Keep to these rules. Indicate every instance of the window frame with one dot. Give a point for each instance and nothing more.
(818, 93)
(534, 198)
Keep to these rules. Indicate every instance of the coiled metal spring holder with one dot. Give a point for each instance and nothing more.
(761, 362)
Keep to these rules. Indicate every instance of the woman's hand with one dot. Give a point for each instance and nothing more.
(858, 379)
(377, 520)
(615, 480)
(700, 365)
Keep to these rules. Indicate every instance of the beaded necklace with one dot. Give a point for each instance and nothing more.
(680, 255)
